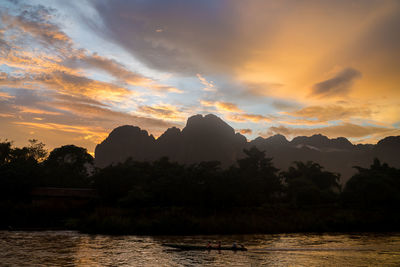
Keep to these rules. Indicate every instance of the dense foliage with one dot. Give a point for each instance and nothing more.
(376, 187)
(152, 196)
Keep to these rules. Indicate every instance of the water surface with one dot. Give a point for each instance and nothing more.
(69, 248)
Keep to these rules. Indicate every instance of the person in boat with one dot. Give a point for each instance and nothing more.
(234, 246)
(209, 245)
(219, 245)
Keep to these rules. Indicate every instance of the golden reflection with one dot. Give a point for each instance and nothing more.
(67, 248)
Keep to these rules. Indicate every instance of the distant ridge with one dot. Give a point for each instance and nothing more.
(209, 138)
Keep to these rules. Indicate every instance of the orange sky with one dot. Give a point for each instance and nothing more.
(70, 72)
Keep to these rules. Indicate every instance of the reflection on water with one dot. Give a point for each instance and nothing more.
(68, 248)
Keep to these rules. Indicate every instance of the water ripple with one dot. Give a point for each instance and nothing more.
(69, 248)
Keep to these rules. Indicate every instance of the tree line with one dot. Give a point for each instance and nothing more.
(252, 182)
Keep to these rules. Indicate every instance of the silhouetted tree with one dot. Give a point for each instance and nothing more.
(5, 152)
(308, 184)
(36, 150)
(68, 166)
(20, 169)
(378, 186)
(260, 182)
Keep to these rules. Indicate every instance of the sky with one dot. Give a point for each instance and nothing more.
(71, 71)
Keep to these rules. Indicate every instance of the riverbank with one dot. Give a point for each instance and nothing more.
(195, 221)
(267, 220)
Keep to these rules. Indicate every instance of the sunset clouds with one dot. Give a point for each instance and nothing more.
(72, 71)
(337, 85)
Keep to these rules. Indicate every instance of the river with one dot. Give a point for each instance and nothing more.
(69, 248)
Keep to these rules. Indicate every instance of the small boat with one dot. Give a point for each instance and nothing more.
(196, 247)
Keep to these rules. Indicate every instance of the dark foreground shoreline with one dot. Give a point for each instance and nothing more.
(198, 221)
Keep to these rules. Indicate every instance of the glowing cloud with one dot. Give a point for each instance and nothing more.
(209, 86)
(249, 117)
(35, 24)
(116, 69)
(86, 132)
(163, 111)
(245, 131)
(331, 113)
(4, 95)
(221, 106)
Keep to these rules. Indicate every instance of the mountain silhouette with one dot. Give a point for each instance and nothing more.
(125, 142)
(209, 138)
(321, 142)
(205, 138)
